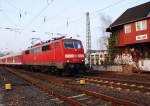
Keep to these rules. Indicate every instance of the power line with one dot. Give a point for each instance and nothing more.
(43, 9)
(8, 2)
(72, 21)
(54, 17)
(23, 11)
(7, 17)
(20, 15)
(109, 6)
(99, 10)
(20, 11)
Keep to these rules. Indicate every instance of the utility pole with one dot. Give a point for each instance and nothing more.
(88, 37)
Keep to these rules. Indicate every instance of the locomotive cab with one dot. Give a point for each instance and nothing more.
(73, 55)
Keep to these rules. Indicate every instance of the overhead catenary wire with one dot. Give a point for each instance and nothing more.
(97, 11)
(49, 18)
(21, 12)
(71, 20)
(12, 5)
(7, 17)
(82, 14)
(35, 17)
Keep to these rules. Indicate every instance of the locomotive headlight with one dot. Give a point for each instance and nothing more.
(69, 56)
(80, 55)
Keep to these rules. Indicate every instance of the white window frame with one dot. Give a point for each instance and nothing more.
(141, 25)
(127, 28)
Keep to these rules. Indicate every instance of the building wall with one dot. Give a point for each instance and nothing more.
(144, 64)
(130, 38)
(98, 58)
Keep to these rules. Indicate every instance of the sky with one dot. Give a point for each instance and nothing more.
(25, 20)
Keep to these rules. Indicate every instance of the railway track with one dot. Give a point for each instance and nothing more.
(70, 93)
(136, 86)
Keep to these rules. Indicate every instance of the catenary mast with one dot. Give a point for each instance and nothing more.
(88, 37)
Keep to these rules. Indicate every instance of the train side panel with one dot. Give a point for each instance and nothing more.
(14, 59)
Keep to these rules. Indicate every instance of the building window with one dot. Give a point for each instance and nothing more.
(127, 28)
(141, 25)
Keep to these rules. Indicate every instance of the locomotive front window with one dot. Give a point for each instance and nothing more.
(68, 44)
(72, 44)
(77, 45)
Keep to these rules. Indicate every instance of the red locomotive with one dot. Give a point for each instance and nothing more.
(60, 55)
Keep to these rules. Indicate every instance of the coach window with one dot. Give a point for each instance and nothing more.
(16, 57)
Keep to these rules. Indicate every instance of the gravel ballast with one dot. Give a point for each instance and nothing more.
(23, 94)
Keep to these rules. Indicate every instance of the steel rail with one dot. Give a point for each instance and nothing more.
(35, 82)
(90, 93)
(95, 81)
(45, 88)
(122, 80)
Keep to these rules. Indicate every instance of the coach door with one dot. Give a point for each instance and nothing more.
(57, 52)
(52, 54)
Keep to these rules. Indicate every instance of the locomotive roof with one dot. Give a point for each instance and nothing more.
(48, 42)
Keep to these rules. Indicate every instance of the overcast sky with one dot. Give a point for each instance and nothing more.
(22, 20)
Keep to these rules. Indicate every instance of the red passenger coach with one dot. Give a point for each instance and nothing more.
(63, 54)
(11, 59)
